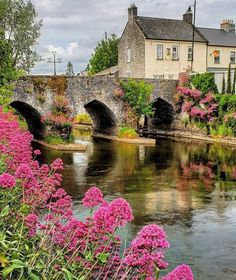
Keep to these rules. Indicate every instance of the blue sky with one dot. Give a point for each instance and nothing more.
(72, 28)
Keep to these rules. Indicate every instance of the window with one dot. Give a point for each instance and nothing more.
(189, 53)
(216, 55)
(158, 77)
(232, 57)
(175, 55)
(128, 56)
(159, 51)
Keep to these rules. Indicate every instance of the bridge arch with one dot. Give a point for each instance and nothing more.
(164, 114)
(104, 120)
(32, 117)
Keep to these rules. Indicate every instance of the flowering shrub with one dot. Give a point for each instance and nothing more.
(40, 237)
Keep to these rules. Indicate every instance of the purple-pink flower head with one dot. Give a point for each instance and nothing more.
(120, 211)
(7, 181)
(181, 272)
(32, 222)
(24, 172)
(37, 152)
(93, 197)
(57, 164)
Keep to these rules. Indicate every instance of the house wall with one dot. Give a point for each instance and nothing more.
(224, 58)
(171, 68)
(134, 40)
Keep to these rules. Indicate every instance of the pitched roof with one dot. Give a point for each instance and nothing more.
(218, 37)
(167, 29)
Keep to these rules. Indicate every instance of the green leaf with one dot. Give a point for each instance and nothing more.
(102, 257)
(67, 274)
(25, 209)
(5, 211)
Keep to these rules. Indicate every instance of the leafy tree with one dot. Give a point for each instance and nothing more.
(234, 81)
(69, 69)
(21, 26)
(228, 90)
(137, 95)
(204, 82)
(223, 84)
(105, 55)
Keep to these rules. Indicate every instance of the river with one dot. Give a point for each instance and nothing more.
(188, 189)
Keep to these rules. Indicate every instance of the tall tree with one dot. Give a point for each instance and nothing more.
(105, 55)
(234, 81)
(223, 84)
(69, 69)
(21, 26)
(228, 90)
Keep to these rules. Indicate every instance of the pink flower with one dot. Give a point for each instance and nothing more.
(57, 164)
(7, 181)
(120, 212)
(181, 272)
(93, 197)
(31, 222)
(37, 152)
(24, 172)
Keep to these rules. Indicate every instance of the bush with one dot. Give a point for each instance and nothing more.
(204, 82)
(83, 119)
(127, 132)
(54, 140)
(227, 103)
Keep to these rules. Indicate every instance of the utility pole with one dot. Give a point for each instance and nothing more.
(194, 22)
(54, 61)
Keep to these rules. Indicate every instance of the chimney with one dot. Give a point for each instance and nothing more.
(188, 16)
(228, 26)
(132, 12)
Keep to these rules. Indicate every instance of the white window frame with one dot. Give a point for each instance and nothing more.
(217, 59)
(232, 57)
(128, 57)
(190, 53)
(159, 51)
(175, 54)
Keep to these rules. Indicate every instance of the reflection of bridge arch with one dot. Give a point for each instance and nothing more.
(104, 119)
(163, 113)
(32, 117)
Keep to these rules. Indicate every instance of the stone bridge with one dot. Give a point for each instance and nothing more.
(35, 96)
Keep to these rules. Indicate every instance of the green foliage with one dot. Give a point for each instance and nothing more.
(137, 95)
(204, 82)
(127, 132)
(224, 130)
(21, 26)
(223, 85)
(226, 103)
(105, 55)
(83, 119)
(6, 92)
(55, 140)
(228, 90)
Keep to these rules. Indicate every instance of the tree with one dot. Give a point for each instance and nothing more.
(21, 26)
(234, 82)
(105, 55)
(223, 84)
(137, 95)
(69, 69)
(228, 90)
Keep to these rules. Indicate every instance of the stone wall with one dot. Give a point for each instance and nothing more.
(133, 39)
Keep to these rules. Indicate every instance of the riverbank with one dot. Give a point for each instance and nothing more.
(189, 135)
(68, 147)
(142, 140)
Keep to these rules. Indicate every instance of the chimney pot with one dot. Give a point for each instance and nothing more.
(188, 16)
(228, 26)
(132, 12)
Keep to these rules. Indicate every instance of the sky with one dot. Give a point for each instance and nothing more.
(73, 28)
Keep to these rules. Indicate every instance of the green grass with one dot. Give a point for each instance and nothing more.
(127, 132)
(55, 140)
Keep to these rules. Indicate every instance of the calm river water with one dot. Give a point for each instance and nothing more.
(189, 189)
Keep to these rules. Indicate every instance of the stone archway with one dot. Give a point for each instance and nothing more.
(164, 114)
(104, 120)
(32, 117)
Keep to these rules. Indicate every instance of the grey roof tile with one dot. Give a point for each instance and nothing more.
(218, 37)
(167, 29)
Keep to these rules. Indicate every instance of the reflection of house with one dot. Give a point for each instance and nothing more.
(162, 48)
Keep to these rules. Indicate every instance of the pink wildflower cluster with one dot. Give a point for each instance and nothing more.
(182, 272)
(47, 213)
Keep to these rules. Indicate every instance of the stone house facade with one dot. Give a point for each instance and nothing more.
(162, 48)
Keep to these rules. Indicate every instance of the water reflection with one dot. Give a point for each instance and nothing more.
(189, 189)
